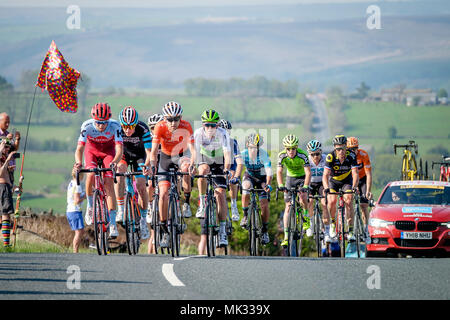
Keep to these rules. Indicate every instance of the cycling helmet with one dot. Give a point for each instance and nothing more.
(255, 139)
(352, 142)
(128, 116)
(290, 141)
(225, 124)
(154, 119)
(210, 116)
(339, 139)
(101, 111)
(172, 109)
(313, 146)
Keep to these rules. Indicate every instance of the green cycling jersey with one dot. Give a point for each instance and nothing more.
(295, 166)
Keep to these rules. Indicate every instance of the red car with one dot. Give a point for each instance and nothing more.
(411, 217)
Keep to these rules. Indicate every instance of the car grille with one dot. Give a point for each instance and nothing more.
(415, 243)
(405, 225)
(427, 225)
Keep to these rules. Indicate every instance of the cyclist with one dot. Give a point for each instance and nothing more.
(317, 162)
(235, 169)
(100, 139)
(365, 175)
(258, 175)
(177, 151)
(298, 174)
(341, 173)
(152, 121)
(137, 144)
(212, 145)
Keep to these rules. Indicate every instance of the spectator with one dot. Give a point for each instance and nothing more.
(4, 125)
(75, 197)
(6, 198)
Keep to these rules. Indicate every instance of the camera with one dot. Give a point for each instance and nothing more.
(16, 155)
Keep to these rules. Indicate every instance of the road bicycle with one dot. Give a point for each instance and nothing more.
(444, 173)
(318, 232)
(359, 230)
(176, 223)
(155, 223)
(132, 213)
(254, 224)
(409, 164)
(295, 222)
(341, 233)
(100, 210)
(211, 220)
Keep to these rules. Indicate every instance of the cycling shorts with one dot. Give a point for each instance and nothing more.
(345, 185)
(292, 182)
(167, 162)
(316, 188)
(255, 183)
(92, 156)
(134, 163)
(218, 182)
(362, 187)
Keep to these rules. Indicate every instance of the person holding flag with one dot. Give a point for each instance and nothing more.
(100, 139)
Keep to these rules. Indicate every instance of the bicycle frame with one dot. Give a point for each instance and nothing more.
(254, 223)
(318, 223)
(409, 164)
(295, 223)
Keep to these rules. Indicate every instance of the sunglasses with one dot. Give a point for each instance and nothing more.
(339, 149)
(316, 154)
(291, 149)
(100, 123)
(173, 119)
(210, 125)
(128, 127)
(152, 128)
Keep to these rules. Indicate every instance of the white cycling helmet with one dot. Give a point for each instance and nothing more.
(172, 109)
(154, 119)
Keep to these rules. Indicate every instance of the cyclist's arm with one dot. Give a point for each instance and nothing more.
(307, 176)
(326, 178)
(119, 153)
(154, 153)
(239, 167)
(148, 153)
(369, 181)
(79, 154)
(280, 175)
(193, 151)
(355, 176)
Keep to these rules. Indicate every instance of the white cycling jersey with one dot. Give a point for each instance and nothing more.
(317, 170)
(212, 147)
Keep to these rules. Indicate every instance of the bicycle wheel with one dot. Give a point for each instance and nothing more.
(357, 233)
(155, 225)
(98, 224)
(292, 234)
(106, 223)
(317, 231)
(250, 228)
(129, 224)
(300, 232)
(341, 230)
(254, 231)
(258, 228)
(173, 226)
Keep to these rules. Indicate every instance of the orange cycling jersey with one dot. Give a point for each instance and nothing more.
(176, 142)
(363, 160)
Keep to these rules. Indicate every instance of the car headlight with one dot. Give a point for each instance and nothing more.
(446, 224)
(379, 223)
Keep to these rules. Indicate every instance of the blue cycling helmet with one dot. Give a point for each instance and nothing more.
(313, 146)
(128, 116)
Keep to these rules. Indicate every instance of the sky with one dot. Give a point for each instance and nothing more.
(177, 3)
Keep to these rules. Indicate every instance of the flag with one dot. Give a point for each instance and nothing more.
(59, 79)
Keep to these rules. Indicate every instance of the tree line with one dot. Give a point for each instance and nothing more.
(257, 86)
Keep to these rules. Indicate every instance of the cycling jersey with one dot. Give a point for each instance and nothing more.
(363, 160)
(102, 141)
(317, 170)
(135, 145)
(341, 171)
(173, 143)
(211, 149)
(256, 167)
(295, 166)
(100, 145)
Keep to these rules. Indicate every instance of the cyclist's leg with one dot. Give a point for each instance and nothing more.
(203, 168)
(186, 184)
(109, 188)
(348, 200)
(90, 160)
(203, 238)
(364, 202)
(247, 183)
(119, 189)
(286, 217)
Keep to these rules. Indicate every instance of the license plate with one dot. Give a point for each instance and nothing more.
(416, 235)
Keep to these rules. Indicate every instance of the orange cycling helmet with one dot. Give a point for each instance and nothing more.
(352, 142)
(101, 111)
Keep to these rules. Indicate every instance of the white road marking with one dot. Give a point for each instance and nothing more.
(167, 270)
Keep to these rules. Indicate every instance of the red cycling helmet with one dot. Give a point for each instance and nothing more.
(101, 111)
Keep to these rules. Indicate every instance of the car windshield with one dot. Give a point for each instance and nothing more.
(416, 194)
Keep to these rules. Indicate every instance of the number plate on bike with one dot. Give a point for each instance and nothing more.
(416, 235)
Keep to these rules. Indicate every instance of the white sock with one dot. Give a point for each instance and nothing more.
(233, 203)
(222, 226)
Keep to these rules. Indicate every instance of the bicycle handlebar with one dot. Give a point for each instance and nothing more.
(96, 171)
(412, 144)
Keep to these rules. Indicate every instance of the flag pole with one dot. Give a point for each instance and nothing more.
(19, 188)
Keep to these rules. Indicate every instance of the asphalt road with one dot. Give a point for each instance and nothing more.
(119, 276)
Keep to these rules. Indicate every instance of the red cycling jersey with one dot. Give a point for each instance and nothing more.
(176, 142)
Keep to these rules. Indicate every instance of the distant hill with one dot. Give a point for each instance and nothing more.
(319, 45)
